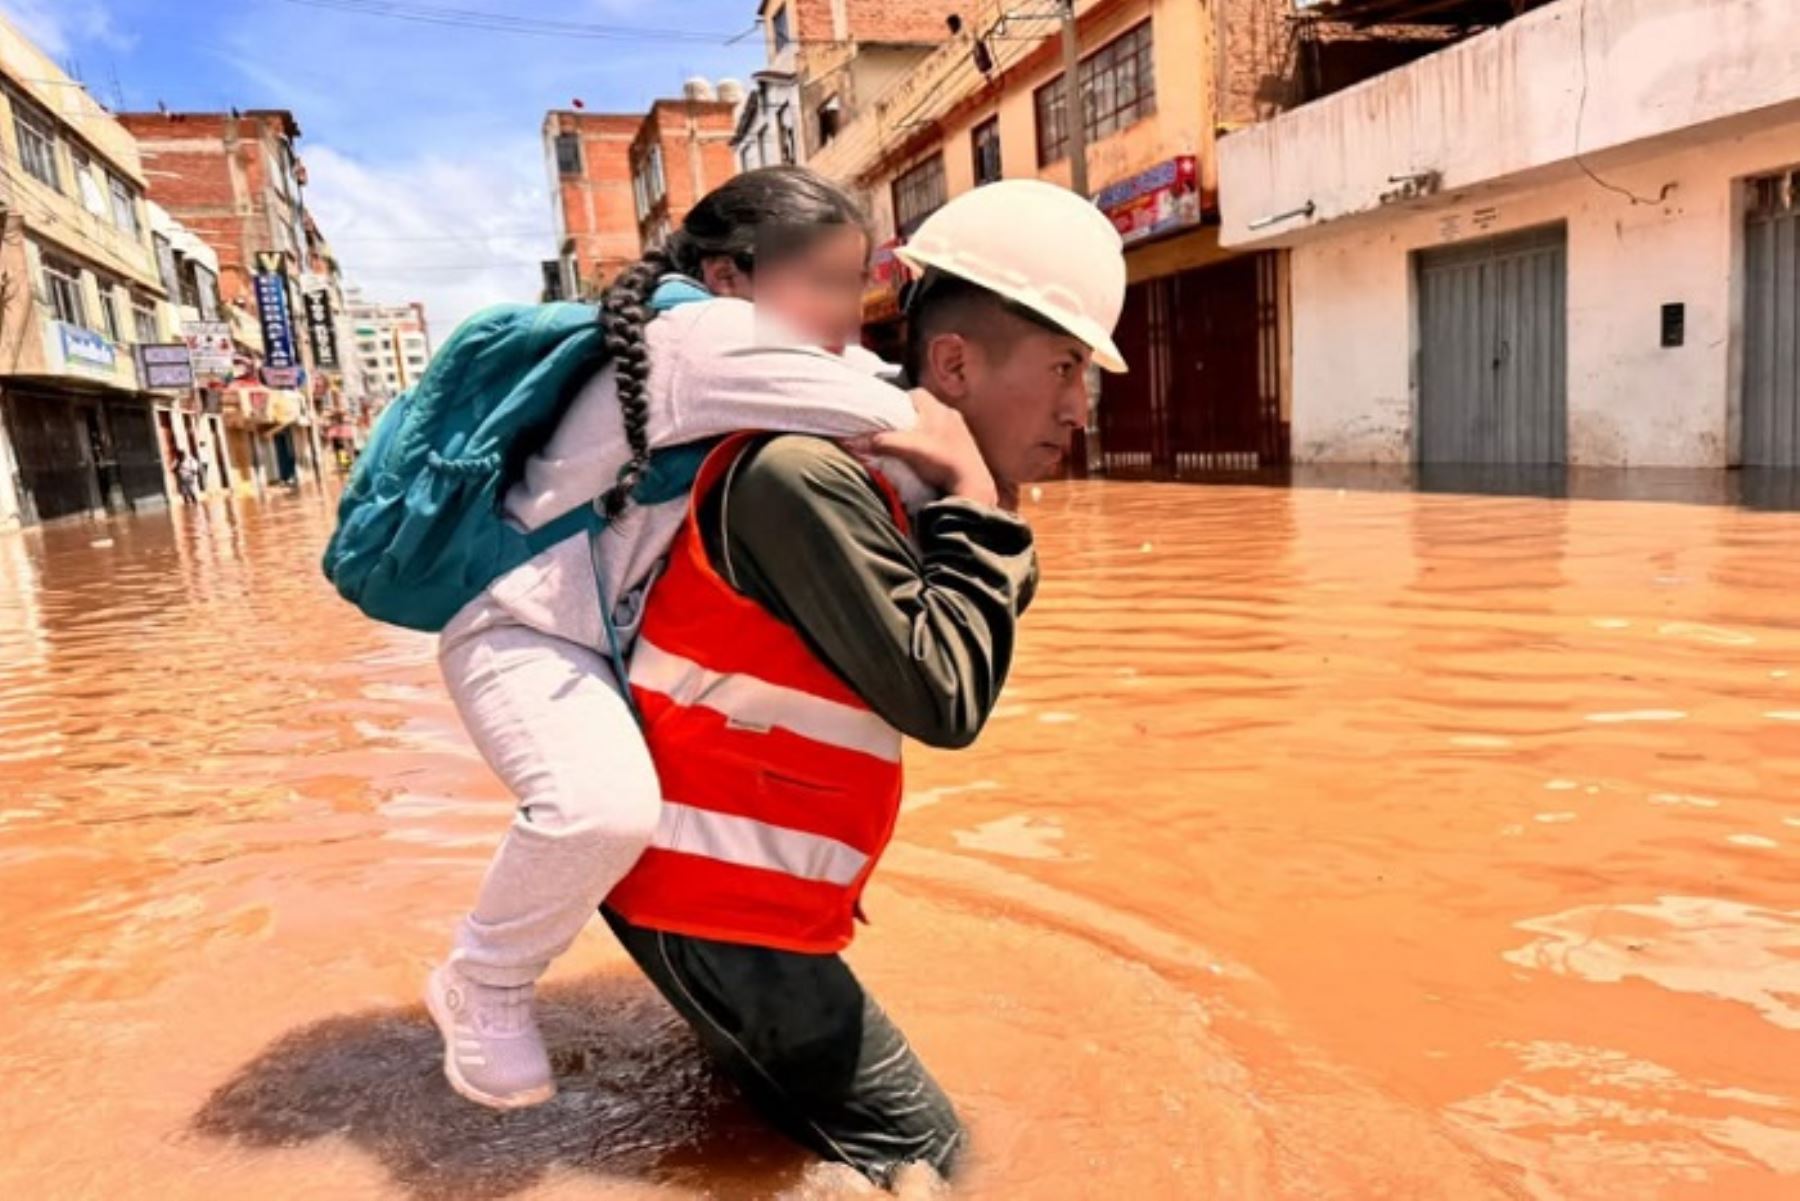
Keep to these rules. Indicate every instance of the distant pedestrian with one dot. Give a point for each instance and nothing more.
(187, 476)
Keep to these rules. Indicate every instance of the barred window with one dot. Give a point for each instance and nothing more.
(124, 205)
(110, 325)
(568, 154)
(143, 320)
(37, 141)
(918, 193)
(985, 140)
(1118, 89)
(62, 284)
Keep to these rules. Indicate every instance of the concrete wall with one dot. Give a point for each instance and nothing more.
(1578, 76)
(1631, 402)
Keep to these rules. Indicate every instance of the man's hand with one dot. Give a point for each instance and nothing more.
(941, 451)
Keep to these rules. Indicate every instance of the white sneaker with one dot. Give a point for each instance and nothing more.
(493, 1053)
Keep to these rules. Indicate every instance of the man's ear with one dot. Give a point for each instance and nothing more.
(947, 368)
(722, 277)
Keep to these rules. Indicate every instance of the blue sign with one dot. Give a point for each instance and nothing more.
(277, 324)
(85, 346)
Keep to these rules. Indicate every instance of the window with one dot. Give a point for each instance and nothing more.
(985, 141)
(168, 266)
(62, 284)
(831, 116)
(647, 185)
(143, 320)
(918, 193)
(110, 325)
(656, 185)
(206, 288)
(37, 141)
(568, 153)
(87, 182)
(784, 124)
(1118, 89)
(779, 25)
(124, 205)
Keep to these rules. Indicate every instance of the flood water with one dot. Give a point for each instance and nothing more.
(1328, 845)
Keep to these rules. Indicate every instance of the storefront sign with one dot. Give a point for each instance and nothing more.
(887, 275)
(320, 329)
(270, 406)
(1154, 202)
(165, 366)
(282, 377)
(86, 347)
(272, 307)
(209, 348)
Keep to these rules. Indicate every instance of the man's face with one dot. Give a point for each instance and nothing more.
(1022, 393)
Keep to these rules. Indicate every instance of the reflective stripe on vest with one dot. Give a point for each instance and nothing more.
(759, 706)
(751, 843)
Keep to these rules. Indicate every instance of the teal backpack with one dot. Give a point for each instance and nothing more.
(420, 529)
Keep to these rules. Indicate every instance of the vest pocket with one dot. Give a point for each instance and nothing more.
(782, 782)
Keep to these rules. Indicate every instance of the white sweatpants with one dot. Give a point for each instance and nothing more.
(547, 715)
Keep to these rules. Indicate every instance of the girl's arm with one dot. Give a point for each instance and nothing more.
(723, 366)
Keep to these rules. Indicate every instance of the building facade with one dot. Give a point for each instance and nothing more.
(79, 432)
(622, 182)
(1203, 325)
(341, 395)
(829, 62)
(235, 179)
(1531, 250)
(391, 343)
(681, 152)
(589, 159)
(190, 417)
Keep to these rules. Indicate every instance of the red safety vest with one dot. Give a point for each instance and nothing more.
(780, 785)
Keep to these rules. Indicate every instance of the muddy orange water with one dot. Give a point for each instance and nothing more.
(1328, 845)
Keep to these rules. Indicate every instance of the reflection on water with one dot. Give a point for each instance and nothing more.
(1331, 842)
(1768, 489)
(1697, 945)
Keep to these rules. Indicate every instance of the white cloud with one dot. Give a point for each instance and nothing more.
(57, 26)
(457, 234)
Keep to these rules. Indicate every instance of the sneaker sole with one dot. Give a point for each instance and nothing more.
(446, 1026)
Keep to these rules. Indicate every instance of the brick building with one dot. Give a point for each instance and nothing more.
(681, 152)
(621, 181)
(235, 179)
(829, 61)
(589, 157)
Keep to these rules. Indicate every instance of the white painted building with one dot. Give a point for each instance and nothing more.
(1573, 239)
(391, 343)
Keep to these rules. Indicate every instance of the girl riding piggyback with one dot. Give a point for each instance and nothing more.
(744, 320)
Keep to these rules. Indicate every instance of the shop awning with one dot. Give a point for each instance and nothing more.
(266, 406)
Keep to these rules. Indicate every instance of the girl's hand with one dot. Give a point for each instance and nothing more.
(941, 451)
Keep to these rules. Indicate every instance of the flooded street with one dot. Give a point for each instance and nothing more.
(1327, 845)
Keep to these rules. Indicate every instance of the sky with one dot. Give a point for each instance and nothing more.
(421, 140)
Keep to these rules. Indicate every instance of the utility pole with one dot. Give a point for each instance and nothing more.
(1074, 111)
(1075, 115)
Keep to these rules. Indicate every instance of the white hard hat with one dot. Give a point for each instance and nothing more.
(1038, 245)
